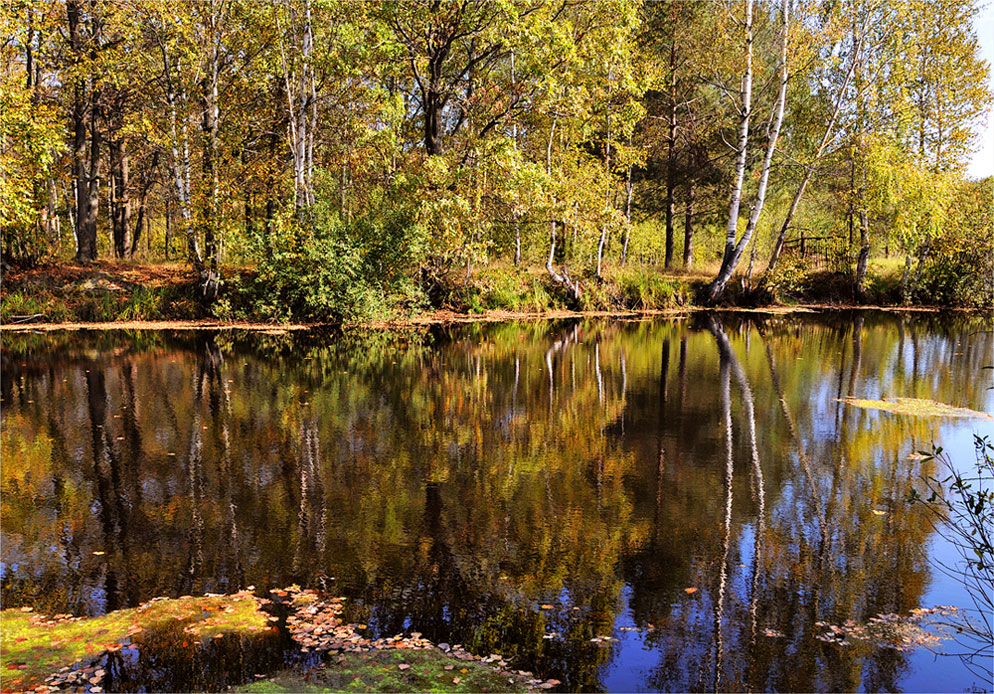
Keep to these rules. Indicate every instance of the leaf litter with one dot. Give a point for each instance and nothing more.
(891, 631)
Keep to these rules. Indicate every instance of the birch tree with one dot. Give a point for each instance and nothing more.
(735, 248)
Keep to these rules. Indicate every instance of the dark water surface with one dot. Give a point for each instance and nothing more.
(455, 481)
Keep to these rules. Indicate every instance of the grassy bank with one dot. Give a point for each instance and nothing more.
(63, 651)
(291, 641)
(108, 292)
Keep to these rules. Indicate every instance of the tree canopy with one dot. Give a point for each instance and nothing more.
(366, 155)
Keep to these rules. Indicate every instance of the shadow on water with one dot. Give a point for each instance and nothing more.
(663, 505)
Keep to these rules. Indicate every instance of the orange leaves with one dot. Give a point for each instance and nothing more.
(690, 591)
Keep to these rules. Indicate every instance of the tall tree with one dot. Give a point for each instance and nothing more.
(734, 249)
(84, 43)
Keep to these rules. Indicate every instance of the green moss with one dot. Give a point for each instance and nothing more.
(34, 646)
(380, 671)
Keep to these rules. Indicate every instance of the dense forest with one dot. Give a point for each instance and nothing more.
(336, 160)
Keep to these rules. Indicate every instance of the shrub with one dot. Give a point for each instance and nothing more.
(645, 289)
(330, 270)
(787, 278)
(958, 272)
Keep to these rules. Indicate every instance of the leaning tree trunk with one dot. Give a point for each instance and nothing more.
(730, 260)
(629, 190)
(809, 169)
(733, 250)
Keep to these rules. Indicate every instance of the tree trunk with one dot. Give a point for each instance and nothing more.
(729, 260)
(671, 156)
(864, 255)
(120, 201)
(561, 278)
(180, 163)
(905, 279)
(209, 274)
(82, 111)
(514, 139)
(733, 250)
(607, 194)
(142, 220)
(688, 228)
(629, 189)
(169, 229)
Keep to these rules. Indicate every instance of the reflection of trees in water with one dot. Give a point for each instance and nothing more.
(812, 561)
(465, 485)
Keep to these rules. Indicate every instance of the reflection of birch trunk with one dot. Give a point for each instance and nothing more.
(597, 370)
(517, 377)
(748, 403)
(221, 396)
(719, 604)
(624, 377)
(308, 473)
(857, 353)
(548, 367)
(194, 470)
(664, 370)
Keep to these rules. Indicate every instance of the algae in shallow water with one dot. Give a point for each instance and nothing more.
(33, 646)
(916, 407)
(392, 671)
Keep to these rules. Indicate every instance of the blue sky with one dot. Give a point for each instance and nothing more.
(982, 163)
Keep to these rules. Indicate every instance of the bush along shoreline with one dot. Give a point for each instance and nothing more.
(106, 292)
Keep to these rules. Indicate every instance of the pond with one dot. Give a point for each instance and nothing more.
(624, 505)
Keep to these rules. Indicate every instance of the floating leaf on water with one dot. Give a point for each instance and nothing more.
(548, 607)
(690, 591)
(878, 512)
(917, 407)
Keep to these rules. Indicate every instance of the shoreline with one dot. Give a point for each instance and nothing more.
(446, 317)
